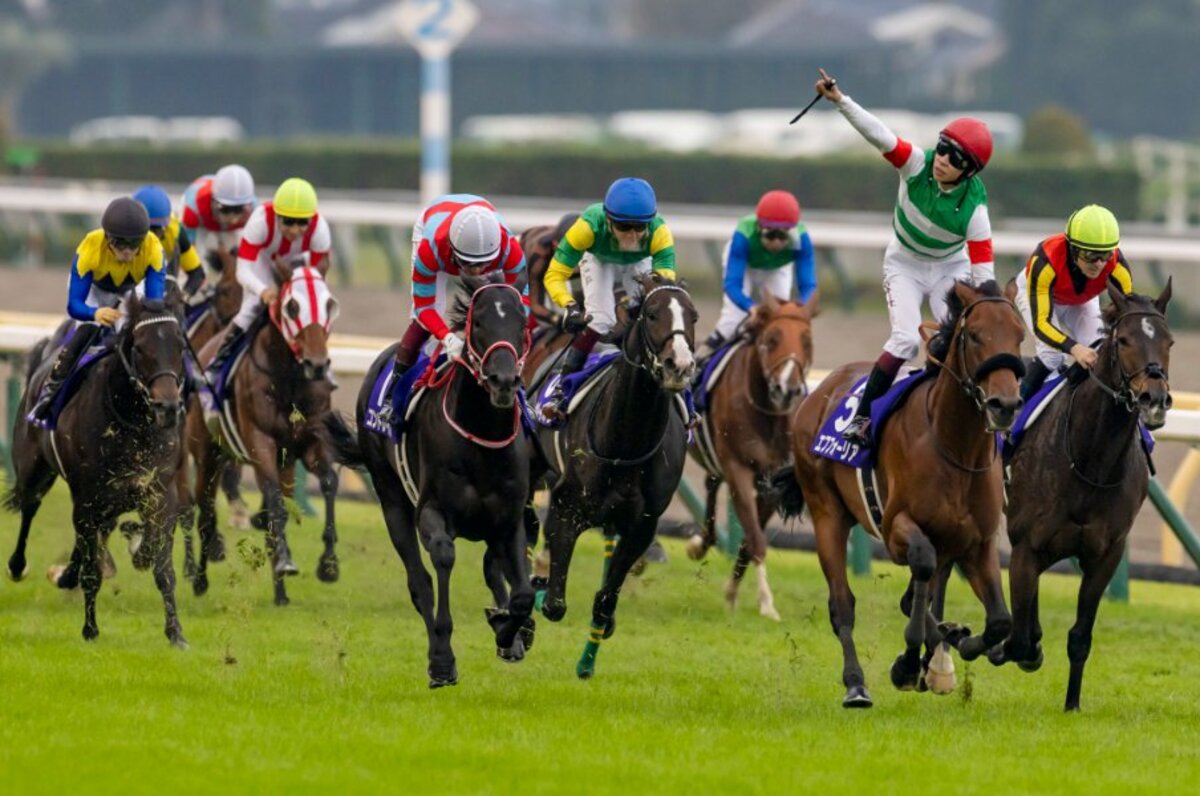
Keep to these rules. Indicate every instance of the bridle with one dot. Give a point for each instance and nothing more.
(142, 386)
(970, 383)
(310, 275)
(1123, 394)
(655, 366)
(769, 372)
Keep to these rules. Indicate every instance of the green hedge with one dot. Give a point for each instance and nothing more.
(1018, 186)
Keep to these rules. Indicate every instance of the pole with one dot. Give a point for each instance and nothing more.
(1176, 520)
(435, 127)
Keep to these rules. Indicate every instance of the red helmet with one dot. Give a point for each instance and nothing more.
(973, 137)
(778, 210)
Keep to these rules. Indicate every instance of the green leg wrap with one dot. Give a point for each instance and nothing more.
(587, 661)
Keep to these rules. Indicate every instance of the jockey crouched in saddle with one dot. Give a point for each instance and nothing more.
(1058, 291)
(769, 249)
(215, 209)
(457, 235)
(110, 262)
(622, 236)
(539, 245)
(942, 233)
(284, 230)
(179, 254)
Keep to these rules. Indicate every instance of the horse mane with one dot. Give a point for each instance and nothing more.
(456, 314)
(634, 308)
(939, 344)
(1143, 303)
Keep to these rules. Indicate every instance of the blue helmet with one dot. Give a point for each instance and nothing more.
(631, 199)
(157, 204)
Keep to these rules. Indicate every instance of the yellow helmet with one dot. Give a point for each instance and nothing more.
(296, 198)
(1093, 228)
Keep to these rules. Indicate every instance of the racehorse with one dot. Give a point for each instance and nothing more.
(270, 415)
(460, 470)
(941, 490)
(1085, 449)
(116, 443)
(744, 436)
(620, 454)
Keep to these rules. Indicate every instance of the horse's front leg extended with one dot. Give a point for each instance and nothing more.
(159, 512)
(562, 529)
(922, 562)
(699, 544)
(983, 573)
(620, 553)
(87, 541)
(318, 462)
(435, 536)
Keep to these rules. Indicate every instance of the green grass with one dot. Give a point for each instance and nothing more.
(330, 692)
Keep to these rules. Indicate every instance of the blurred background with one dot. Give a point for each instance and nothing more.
(1090, 101)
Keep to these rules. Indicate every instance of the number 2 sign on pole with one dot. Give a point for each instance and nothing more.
(435, 28)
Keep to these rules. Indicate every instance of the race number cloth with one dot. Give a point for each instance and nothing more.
(403, 392)
(711, 374)
(829, 443)
(94, 354)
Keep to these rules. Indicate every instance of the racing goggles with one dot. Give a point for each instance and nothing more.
(1094, 257)
(775, 234)
(629, 226)
(128, 244)
(289, 221)
(230, 210)
(958, 158)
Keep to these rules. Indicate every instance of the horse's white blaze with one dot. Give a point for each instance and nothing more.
(1148, 328)
(785, 375)
(499, 308)
(683, 354)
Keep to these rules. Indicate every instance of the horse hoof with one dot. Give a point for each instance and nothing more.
(258, 520)
(857, 697)
(200, 585)
(180, 644)
(239, 516)
(216, 548)
(54, 574)
(282, 600)
(904, 678)
(554, 611)
(769, 612)
(328, 570)
(696, 549)
(90, 632)
(14, 575)
(1033, 664)
(514, 653)
(286, 567)
(953, 633)
(443, 675)
(526, 633)
(940, 677)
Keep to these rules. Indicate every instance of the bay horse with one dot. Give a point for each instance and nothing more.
(460, 470)
(941, 490)
(744, 436)
(117, 445)
(620, 454)
(1085, 451)
(275, 402)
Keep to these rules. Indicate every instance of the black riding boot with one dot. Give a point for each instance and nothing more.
(858, 430)
(572, 361)
(1035, 375)
(232, 338)
(84, 336)
(387, 411)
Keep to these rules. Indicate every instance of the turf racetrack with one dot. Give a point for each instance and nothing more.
(330, 694)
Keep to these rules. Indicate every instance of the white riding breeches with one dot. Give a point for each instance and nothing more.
(1082, 322)
(907, 283)
(776, 280)
(599, 279)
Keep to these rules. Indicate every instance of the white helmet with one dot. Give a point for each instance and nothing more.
(475, 234)
(233, 186)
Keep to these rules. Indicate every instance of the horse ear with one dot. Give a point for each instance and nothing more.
(521, 281)
(1118, 298)
(282, 270)
(1164, 298)
(292, 308)
(332, 309)
(769, 302)
(1010, 290)
(813, 305)
(966, 293)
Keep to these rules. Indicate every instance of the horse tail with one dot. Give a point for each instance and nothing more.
(342, 442)
(786, 489)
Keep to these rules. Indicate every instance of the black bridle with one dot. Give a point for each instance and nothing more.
(142, 386)
(655, 366)
(969, 384)
(1122, 394)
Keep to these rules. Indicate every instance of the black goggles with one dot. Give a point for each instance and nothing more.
(629, 226)
(1094, 257)
(775, 234)
(958, 159)
(128, 244)
(231, 210)
(288, 221)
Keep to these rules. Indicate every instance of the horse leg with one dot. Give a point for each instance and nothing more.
(753, 513)
(435, 536)
(31, 489)
(514, 625)
(231, 482)
(159, 514)
(699, 543)
(620, 553)
(832, 534)
(983, 573)
(1021, 646)
(328, 570)
(397, 516)
(1096, 576)
(937, 664)
(277, 548)
(562, 529)
(922, 562)
(87, 541)
(207, 472)
(186, 518)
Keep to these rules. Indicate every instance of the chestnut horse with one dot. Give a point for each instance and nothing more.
(744, 438)
(941, 488)
(276, 401)
(1085, 450)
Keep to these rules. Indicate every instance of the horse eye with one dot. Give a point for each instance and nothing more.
(1122, 341)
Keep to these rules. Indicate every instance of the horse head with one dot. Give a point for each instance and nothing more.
(1138, 348)
(151, 351)
(663, 333)
(984, 333)
(782, 335)
(493, 323)
(303, 312)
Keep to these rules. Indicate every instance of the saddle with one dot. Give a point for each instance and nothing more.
(94, 354)
(404, 394)
(573, 386)
(714, 368)
(828, 442)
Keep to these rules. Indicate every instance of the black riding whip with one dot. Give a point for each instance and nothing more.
(808, 107)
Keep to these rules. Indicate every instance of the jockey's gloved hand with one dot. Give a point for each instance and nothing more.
(453, 345)
(573, 319)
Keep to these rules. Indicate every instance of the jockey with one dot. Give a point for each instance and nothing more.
(457, 235)
(215, 209)
(1058, 291)
(110, 262)
(539, 244)
(758, 256)
(942, 232)
(178, 251)
(285, 229)
(622, 236)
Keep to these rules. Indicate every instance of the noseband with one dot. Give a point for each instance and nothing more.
(1002, 361)
(1123, 395)
(475, 361)
(655, 366)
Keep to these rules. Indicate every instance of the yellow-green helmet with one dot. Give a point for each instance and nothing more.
(1093, 228)
(296, 198)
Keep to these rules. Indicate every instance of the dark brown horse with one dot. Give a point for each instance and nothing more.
(620, 454)
(940, 484)
(460, 471)
(116, 444)
(744, 436)
(278, 398)
(1084, 452)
